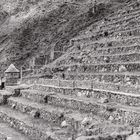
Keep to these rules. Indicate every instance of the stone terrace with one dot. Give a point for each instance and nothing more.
(95, 90)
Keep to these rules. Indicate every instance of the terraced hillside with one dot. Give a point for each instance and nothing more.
(37, 27)
(94, 90)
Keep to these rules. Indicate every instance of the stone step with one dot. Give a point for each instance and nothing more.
(98, 68)
(36, 129)
(119, 26)
(106, 42)
(117, 43)
(125, 48)
(125, 17)
(95, 124)
(116, 29)
(117, 50)
(106, 51)
(122, 13)
(91, 105)
(88, 105)
(117, 97)
(134, 32)
(88, 58)
(96, 50)
(116, 78)
(54, 113)
(107, 129)
(111, 96)
(67, 64)
(102, 74)
(126, 33)
(109, 43)
(30, 104)
(70, 85)
(120, 16)
(11, 89)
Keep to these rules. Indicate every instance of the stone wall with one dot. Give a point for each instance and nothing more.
(92, 59)
(116, 78)
(108, 111)
(85, 84)
(115, 93)
(89, 68)
(84, 93)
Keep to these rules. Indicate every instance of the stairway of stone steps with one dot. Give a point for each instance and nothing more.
(40, 115)
(117, 34)
(110, 59)
(104, 92)
(55, 108)
(34, 128)
(119, 24)
(38, 121)
(91, 99)
(111, 48)
(109, 22)
(121, 14)
(106, 55)
(118, 109)
(39, 111)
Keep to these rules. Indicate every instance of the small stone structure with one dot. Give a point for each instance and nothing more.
(12, 75)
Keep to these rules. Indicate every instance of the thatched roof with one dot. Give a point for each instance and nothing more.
(11, 69)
